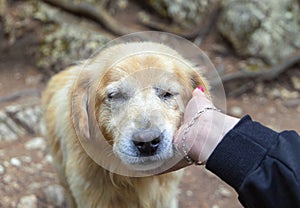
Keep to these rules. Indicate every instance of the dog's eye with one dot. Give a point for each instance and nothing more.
(166, 95)
(111, 95)
(114, 96)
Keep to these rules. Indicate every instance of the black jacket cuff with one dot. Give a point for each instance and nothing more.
(241, 150)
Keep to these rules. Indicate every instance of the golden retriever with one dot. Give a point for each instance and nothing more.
(138, 105)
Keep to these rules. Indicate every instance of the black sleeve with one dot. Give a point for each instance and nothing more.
(263, 166)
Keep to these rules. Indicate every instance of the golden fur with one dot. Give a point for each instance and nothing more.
(129, 93)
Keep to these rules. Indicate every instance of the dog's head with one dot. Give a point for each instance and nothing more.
(139, 101)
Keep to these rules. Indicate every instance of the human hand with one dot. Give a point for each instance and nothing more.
(207, 130)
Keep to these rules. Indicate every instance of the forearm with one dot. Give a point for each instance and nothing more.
(250, 157)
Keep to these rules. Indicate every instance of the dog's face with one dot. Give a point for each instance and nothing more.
(139, 104)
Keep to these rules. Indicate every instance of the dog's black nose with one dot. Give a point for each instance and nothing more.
(147, 140)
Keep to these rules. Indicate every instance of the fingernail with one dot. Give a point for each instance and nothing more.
(200, 88)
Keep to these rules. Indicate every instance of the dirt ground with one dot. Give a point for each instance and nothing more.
(275, 104)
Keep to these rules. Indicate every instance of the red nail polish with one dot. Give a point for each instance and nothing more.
(201, 88)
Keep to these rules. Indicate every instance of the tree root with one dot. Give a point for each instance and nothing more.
(263, 75)
(17, 95)
(98, 14)
(197, 35)
(267, 74)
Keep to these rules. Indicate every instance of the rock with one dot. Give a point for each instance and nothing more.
(55, 195)
(262, 100)
(122, 4)
(266, 29)
(29, 118)
(26, 159)
(252, 65)
(274, 93)
(4, 118)
(259, 89)
(29, 201)
(189, 193)
(18, 120)
(224, 192)
(9, 130)
(12, 109)
(35, 185)
(37, 166)
(271, 110)
(6, 134)
(296, 82)
(236, 111)
(2, 170)
(292, 103)
(70, 39)
(287, 94)
(6, 164)
(68, 42)
(7, 179)
(42, 128)
(15, 162)
(48, 159)
(36, 143)
(33, 80)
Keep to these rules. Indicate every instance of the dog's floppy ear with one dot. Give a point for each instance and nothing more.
(80, 109)
(197, 79)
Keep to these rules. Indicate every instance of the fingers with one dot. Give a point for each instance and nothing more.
(199, 92)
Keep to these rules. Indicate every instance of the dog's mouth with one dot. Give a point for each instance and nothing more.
(145, 163)
(147, 149)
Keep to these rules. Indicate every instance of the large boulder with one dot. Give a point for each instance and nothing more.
(265, 29)
(184, 12)
(66, 38)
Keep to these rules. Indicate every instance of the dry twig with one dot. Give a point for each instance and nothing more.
(98, 14)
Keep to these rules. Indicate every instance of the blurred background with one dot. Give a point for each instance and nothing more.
(254, 45)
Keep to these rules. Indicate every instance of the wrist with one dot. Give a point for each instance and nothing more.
(210, 135)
